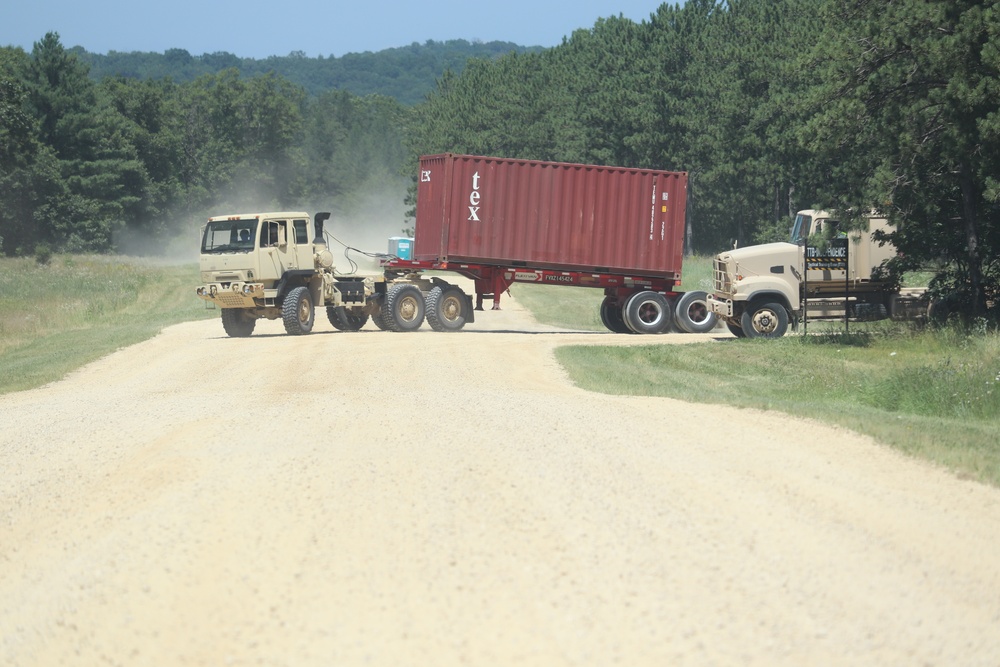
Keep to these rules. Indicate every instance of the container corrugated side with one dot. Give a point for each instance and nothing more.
(550, 215)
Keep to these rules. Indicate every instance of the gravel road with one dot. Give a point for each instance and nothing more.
(374, 498)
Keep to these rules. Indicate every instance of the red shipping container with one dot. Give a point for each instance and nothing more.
(550, 215)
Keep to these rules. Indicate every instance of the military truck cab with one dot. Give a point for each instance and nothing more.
(264, 265)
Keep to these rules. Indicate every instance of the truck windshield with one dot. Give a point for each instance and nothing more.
(800, 230)
(229, 236)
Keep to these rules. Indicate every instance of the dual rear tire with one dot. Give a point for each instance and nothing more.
(649, 312)
(403, 308)
(446, 308)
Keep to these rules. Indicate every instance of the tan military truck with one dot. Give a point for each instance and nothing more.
(760, 290)
(264, 265)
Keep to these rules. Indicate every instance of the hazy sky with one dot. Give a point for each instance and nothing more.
(278, 27)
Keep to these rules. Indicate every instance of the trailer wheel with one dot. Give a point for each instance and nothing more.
(237, 322)
(611, 316)
(404, 308)
(693, 315)
(765, 320)
(648, 313)
(735, 330)
(297, 312)
(343, 319)
(445, 308)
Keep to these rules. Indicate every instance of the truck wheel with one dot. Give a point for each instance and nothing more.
(376, 305)
(611, 316)
(648, 313)
(297, 311)
(332, 314)
(237, 322)
(735, 330)
(343, 319)
(356, 318)
(404, 307)
(765, 320)
(445, 308)
(693, 315)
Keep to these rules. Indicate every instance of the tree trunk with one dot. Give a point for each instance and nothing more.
(969, 217)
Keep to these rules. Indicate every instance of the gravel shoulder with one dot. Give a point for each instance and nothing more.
(448, 499)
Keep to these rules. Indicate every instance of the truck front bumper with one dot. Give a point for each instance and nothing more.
(231, 295)
(720, 305)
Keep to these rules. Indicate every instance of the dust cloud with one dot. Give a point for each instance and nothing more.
(362, 221)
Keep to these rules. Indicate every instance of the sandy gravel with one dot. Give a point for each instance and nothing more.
(450, 499)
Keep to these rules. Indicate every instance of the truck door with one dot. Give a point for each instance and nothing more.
(276, 254)
(303, 249)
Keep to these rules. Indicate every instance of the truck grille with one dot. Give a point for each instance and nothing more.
(231, 300)
(723, 283)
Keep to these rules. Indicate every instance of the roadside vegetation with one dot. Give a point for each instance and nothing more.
(74, 309)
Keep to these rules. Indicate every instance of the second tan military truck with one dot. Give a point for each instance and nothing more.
(820, 273)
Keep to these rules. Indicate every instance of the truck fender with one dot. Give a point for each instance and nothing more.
(774, 297)
(763, 287)
(296, 278)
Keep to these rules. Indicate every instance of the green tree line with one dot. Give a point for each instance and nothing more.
(770, 105)
(406, 73)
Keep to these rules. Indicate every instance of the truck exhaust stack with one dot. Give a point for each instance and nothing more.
(319, 219)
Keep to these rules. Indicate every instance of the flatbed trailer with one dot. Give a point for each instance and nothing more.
(632, 304)
(492, 281)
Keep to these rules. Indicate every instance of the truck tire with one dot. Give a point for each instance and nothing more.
(376, 306)
(404, 308)
(445, 308)
(333, 314)
(765, 320)
(735, 330)
(379, 320)
(648, 312)
(693, 315)
(611, 316)
(237, 322)
(343, 319)
(297, 311)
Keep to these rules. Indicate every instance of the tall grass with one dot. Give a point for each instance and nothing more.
(58, 316)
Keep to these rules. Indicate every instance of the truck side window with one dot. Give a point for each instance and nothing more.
(269, 234)
(301, 231)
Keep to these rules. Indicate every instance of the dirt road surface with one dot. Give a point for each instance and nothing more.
(437, 499)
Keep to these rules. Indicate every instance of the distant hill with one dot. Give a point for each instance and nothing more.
(406, 73)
